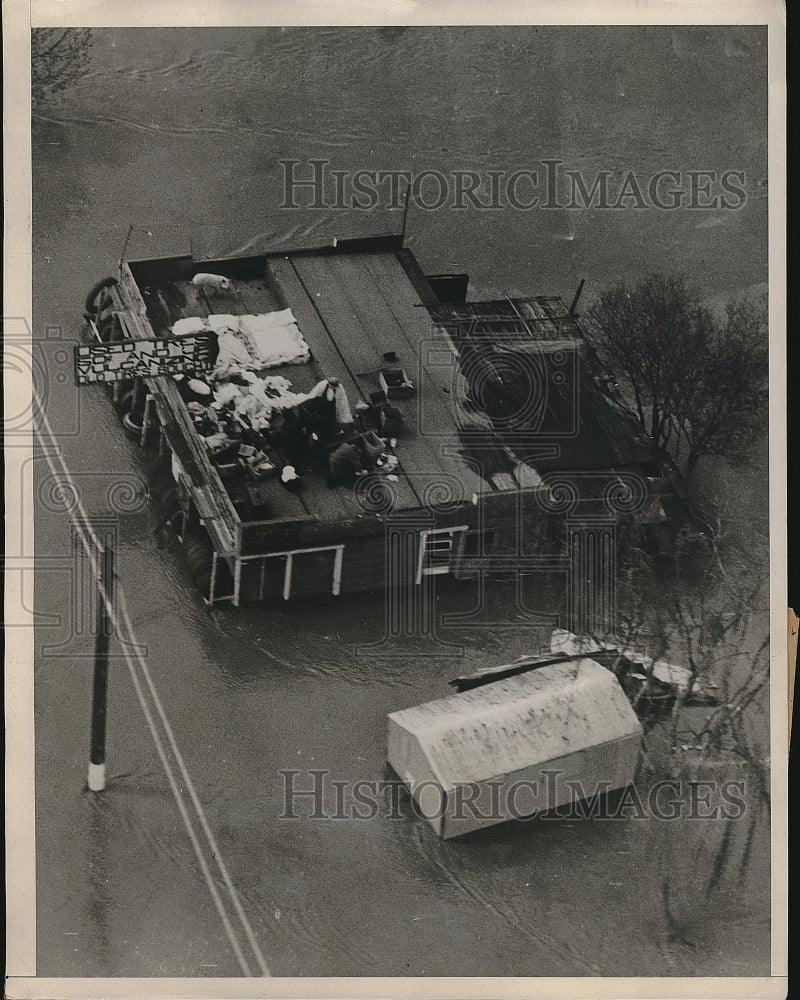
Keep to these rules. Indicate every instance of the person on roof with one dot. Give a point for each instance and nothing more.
(328, 409)
(345, 465)
(390, 421)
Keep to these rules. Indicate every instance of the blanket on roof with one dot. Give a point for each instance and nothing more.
(251, 342)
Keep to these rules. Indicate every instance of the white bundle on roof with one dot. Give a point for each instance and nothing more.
(274, 339)
(252, 342)
(189, 325)
(259, 399)
(226, 393)
(233, 356)
(220, 322)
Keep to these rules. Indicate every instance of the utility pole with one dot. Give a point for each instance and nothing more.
(96, 779)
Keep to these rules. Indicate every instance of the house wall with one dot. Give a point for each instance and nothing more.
(612, 763)
(492, 531)
(405, 755)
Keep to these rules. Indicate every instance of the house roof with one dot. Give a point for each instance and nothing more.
(355, 307)
(519, 722)
(360, 301)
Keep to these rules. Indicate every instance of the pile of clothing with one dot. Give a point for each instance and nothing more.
(255, 423)
(260, 425)
(235, 409)
(254, 400)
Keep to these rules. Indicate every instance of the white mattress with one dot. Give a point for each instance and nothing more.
(252, 342)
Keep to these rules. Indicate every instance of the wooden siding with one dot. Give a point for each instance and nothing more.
(205, 485)
(366, 542)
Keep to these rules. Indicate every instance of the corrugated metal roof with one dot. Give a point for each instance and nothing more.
(606, 437)
(508, 321)
(524, 720)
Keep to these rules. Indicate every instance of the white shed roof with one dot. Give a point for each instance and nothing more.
(513, 723)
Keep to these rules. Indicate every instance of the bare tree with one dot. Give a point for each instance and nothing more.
(725, 407)
(709, 615)
(59, 57)
(637, 333)
(690, 380)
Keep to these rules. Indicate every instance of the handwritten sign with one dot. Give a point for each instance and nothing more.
(143, 358)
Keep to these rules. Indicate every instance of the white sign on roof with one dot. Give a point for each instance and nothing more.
(128, 359)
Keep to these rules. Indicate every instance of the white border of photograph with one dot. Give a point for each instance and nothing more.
(18, 18)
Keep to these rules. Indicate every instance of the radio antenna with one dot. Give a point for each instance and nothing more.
(405, 214)
(574, 305)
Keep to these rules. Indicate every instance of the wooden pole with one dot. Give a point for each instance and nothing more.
(125, 246)
(574, 305)
(405, 215)
(97, 743)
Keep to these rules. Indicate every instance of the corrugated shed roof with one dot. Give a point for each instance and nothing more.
(508, 321)
(520, 721)
(606, 436)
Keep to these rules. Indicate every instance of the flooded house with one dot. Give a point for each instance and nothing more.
(363, 425)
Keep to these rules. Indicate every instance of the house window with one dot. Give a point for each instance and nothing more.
(437, 547)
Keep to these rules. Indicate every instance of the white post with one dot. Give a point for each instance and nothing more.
(148, 406)
(337, 570)
(287, 578)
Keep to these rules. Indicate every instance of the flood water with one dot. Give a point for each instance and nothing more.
(179, 133)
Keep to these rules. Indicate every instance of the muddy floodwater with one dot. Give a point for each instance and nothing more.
(178, 133)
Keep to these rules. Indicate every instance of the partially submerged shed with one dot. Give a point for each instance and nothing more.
(512, 748)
